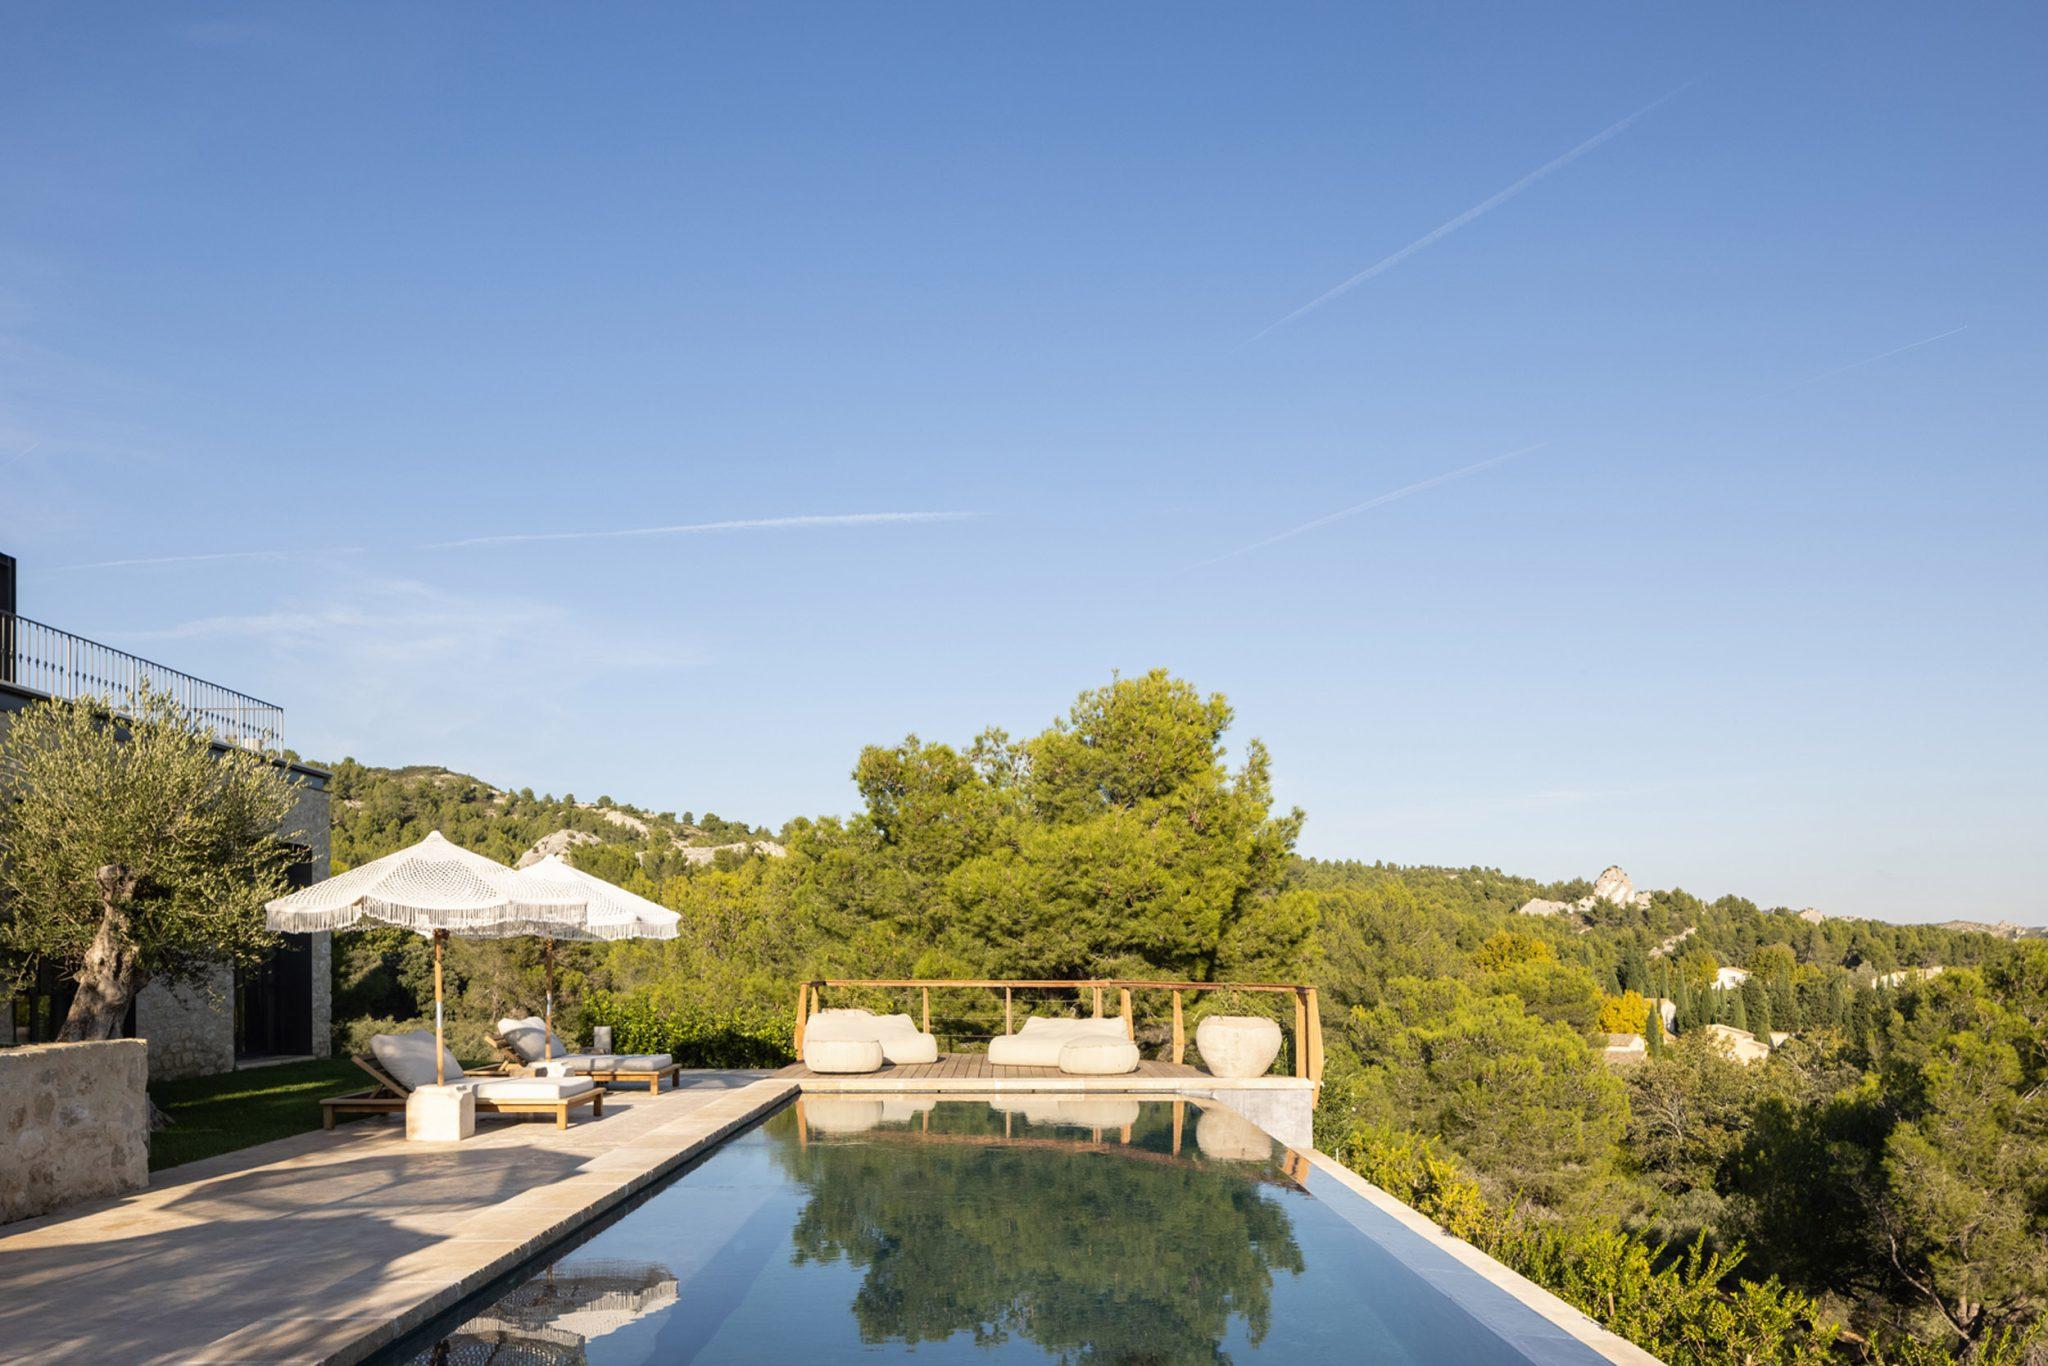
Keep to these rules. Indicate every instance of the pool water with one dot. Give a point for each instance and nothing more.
(1026, 1228)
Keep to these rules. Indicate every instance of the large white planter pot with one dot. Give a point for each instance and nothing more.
(1237, 1045)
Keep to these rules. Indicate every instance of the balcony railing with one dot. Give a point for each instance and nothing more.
(58, 664)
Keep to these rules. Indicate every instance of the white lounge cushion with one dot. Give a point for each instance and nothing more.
(530, 1088)
(1039, 1042)
(899, 1036)
(1090, 1057)
(409, 1058)
(842, 1055)
(906, 1046)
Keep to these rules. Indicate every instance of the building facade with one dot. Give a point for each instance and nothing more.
(228, 1017)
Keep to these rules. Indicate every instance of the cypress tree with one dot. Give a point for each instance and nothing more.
(1756, 1004)
(1653, 1030)
(1738, 1014)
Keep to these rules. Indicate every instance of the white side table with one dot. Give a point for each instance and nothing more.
(440, 1114)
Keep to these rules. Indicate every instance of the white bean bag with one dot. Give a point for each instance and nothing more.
(901, 1041)
(1039, 1042)
(842, 1055)
(1099, 1057)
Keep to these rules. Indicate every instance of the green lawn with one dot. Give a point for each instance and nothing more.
(236, 1109)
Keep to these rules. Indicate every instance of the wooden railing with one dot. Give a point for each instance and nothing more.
(1308, 1018)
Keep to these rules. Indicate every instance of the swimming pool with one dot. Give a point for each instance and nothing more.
(1022, 1228)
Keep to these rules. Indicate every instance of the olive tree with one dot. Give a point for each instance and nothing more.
(133, 848)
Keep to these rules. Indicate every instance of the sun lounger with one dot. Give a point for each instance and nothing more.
(526, 1044)
(400, 1063)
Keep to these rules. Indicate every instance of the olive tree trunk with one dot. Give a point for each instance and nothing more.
(111, 974)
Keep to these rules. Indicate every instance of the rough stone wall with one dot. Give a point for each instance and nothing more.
(190, 1026)
(74, 1124)
(323, 995)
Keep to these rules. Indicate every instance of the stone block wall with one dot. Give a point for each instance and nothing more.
(74, 1124)
(190, 1026)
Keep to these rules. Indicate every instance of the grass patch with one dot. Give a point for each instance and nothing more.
(212, 1115)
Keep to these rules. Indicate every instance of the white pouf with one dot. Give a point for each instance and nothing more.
(1099, 1057)
(842, 1055)
(440, 1114)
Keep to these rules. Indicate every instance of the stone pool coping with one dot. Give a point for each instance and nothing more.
(326, 1247)
(1530, 1295)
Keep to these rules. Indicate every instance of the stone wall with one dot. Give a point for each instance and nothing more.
(323, 995)
(311, 823)
(74, 1124)
(190, 1026)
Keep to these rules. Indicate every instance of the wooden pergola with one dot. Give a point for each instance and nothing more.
(1308, 1020)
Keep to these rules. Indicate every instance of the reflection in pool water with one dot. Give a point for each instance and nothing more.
(1034, 1227)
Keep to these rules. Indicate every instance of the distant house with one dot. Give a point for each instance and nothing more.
(232, 1017)
(1905, 975)
(1624, 1049)
(1739, 1044)
(1727, 979)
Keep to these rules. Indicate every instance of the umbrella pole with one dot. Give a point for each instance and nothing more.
(548, 1044)
(440, 1038)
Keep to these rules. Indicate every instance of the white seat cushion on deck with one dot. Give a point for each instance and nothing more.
(409, 1058)
(1099, 1057)
(902, 1043)
(1039, 1042)
(530, 1088)
(842, 1055)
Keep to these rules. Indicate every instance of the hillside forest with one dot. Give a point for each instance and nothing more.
(1875, 1189)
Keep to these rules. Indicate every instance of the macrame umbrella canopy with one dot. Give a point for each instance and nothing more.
(614, 913)
(434, 888)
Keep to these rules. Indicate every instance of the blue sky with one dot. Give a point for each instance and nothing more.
(1755, 606)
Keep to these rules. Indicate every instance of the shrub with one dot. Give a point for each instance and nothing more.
(698, 1036)
(1682, 1308)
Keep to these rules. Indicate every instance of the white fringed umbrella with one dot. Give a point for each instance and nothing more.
(434, 888)
(614, 913)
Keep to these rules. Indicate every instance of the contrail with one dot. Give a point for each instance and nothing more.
(1480, 209)
(1867, 360)
(1380, 501)
(699, 528)
(196, 559)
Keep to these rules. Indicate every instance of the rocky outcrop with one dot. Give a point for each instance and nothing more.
(1813, 916)
(1674, 941)
(1611, 887)
(697, 855)
(2004, 929)
(560, 842)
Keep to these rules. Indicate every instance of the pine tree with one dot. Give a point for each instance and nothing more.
(1755, 999)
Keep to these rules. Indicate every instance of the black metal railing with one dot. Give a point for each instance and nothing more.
(56, 663)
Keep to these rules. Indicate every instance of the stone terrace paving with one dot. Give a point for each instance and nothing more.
(326, 1246)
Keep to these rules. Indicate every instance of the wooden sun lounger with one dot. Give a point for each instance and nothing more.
(387, 1097)
(628, 1076)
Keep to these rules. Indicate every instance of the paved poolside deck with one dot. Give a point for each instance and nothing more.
(326, 1246)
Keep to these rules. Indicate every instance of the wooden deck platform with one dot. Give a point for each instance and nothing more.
(973, 1073)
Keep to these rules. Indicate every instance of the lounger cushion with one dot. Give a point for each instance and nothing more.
(409, 1058)
(531, 1088)
(616, 1062)
(530, 1038)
